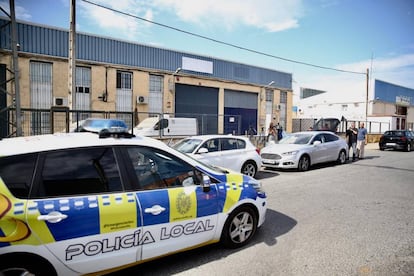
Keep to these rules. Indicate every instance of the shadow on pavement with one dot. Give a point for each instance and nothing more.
(263, 174)
(276, 224)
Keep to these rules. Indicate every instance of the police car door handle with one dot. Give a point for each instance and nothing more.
(155, 210)
(52, 217)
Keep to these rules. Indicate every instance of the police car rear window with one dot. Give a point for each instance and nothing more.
(17, 172)
(80, 171)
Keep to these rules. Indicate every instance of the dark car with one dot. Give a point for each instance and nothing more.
(326, 124)
(397, 139)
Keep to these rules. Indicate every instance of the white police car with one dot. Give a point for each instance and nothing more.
(81, 203)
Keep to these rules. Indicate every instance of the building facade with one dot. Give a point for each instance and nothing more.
(390, 107)
(120, 76)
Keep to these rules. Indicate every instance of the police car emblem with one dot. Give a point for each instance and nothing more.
(183, 203)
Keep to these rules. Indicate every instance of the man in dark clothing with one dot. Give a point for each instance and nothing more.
(279, 130)
(351, 136)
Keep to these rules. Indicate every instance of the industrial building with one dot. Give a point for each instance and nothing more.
(130, 78)
(390, 106)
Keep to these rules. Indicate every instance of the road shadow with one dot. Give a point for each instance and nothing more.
(276, 224)
(266, 173)
(271, 172)
(369, 157)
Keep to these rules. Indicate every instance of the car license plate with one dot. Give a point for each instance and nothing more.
(269, 161)
(390, 144)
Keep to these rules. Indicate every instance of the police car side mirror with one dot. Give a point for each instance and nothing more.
(206, 183)
(317, 143)
(202, 150)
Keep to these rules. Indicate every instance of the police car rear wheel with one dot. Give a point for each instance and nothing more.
(239, 228)
(24, 264)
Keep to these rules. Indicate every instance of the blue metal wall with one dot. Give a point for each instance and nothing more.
(242, 105)
(387, 92)
(50, 41)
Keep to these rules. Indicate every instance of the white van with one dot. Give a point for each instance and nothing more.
(155, 126)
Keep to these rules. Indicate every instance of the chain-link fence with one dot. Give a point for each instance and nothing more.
(372, 127)
(61, 119)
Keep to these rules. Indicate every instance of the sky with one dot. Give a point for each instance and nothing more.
(342, 35)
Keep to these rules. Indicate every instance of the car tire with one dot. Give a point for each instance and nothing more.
(239, 228)
(249, 168)
(408, 147)
(342, 157)
(304, 163)
(25, 264)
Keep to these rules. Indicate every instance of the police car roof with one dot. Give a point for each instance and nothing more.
(30, 144)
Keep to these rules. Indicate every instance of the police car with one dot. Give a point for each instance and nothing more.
(79, 203)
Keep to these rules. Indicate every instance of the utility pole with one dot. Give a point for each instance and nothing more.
(72, 56)
(16, 95)
(366, 99)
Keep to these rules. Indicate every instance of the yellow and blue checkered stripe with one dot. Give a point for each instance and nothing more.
(86, 216)
(91, 215)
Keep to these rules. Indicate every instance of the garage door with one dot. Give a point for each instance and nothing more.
(200, 102)
(239, 105)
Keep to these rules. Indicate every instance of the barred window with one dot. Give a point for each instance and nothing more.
(269, 95)
(83, 79)
(41, 96)
(155, 93)
(269, 101)
(123, 80)
(283, 97)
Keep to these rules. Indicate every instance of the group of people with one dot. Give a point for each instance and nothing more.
(357, 139)
(275, 132)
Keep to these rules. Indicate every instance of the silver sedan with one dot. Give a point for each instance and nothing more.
(301, 150)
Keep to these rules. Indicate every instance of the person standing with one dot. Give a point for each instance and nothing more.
(279, 132)
(271, 133)
(251, 132)
(351, 135)
(361, 140)
(262, 139)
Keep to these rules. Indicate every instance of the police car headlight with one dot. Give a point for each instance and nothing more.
(257, 185)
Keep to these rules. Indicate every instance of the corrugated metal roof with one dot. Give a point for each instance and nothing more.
(51, 41)
(388, 92)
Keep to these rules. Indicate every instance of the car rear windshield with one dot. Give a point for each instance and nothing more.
(394, 133)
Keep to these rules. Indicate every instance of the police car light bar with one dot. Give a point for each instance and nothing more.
(115, 132)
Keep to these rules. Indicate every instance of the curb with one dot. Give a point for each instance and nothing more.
(372, 146)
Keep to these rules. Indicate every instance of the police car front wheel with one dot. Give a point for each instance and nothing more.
(240, 227)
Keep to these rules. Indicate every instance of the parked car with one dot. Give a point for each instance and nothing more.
(166, 127)
(98, 124)
(82, 203)
(236, 153)
(301, 150)
(397, 139)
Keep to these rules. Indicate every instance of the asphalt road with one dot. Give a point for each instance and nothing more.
(352, 219)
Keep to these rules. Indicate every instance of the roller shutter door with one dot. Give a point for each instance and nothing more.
(239, 105)
(199, 102)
